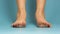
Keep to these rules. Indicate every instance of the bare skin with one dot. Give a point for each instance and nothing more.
(21, 15)
(40, 17)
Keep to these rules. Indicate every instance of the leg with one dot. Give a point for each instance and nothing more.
(21, 15)
(40, 17)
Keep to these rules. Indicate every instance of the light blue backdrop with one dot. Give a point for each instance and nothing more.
(8, 11)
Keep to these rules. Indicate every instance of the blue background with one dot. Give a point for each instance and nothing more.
(8, 11)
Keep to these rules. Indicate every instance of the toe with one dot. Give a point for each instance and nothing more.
(15, 26)
(18, 25)
(44, 25)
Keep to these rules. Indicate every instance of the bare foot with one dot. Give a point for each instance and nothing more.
(41, 21)
(19, 23)
(21, 20)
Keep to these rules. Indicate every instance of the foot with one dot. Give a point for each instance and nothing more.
(19, 23)
(21, 20)
(41, 21)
